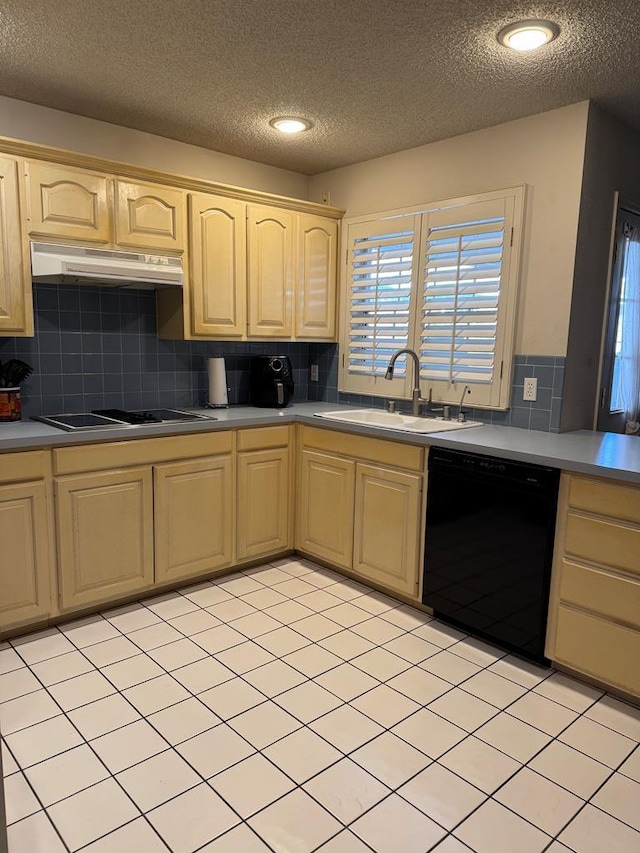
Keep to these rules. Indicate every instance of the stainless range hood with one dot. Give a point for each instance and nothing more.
(56, 264)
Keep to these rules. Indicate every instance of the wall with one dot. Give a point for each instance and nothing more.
(34, 123)
(611, 164)
(545, 152)
(96, 348)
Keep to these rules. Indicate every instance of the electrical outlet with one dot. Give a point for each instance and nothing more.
(530, 392)
(326, 197)
(314, 372)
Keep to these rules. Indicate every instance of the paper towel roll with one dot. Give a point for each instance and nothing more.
(217, 382)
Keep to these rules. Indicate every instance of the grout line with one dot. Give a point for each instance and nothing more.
(409, 665)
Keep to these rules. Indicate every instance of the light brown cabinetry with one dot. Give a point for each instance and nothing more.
(16, 307)
(270, 272)
(26, 564)
(133, 513)
(67, 203)
(317, 271)
(73, 204)
(264, 492)
(193, 517)
(387, 527)
(594, 616)
(217, 252)
(326, 491)
(360, 506)
(105, 535)
(150, 216)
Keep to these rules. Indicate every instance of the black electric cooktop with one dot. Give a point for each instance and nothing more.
(113, 418)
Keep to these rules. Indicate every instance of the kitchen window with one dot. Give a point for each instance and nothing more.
(440, 279)
(620, 391)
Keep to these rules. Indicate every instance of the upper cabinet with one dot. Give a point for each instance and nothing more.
(150, 216)
(218, 274)
(63, 202)
(16, 308)
(256, 266)
(257, 272)
(270, 263)
(317, 272)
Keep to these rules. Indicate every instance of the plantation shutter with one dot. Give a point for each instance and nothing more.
(462, 285)
(380, 271)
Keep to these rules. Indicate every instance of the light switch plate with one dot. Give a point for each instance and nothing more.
(530, 392)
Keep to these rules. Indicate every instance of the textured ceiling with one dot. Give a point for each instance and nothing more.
(376, 76)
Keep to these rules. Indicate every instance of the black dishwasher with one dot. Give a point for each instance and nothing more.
(489, 546)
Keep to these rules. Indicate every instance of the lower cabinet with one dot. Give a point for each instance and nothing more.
(594, 614)
(25, 564)
(105, 535)
(325, 502)
(358, 515)
(387, 527)
(193, 516)
(263, 516)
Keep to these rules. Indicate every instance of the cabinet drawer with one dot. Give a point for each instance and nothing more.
(601, 541)
(601, 592)
(390, 453)
(602, 649)
(122, 454)
(28, 465)
(262, 439)
(605, 498)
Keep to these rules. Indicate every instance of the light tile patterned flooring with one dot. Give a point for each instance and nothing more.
(289, 709)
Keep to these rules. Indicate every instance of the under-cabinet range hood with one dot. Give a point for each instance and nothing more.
(55, 264)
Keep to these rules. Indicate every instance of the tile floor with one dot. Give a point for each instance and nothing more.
(288, 709)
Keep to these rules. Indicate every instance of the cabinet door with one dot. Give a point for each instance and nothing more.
(150, 216)
(270, 272)
(387, 527)
(317, 278)
(25, 564)
(325, 507)
(105, 535)
(193, 517)
(68, 203)
(263, 502)
(218, 280)
(16, 307)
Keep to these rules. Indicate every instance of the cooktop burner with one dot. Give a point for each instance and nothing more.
(114, 418)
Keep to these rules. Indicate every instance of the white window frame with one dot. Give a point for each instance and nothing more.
(494, 395)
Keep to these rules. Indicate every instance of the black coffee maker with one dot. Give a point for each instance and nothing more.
(271, 381)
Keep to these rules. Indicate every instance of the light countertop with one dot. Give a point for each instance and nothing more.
(596, 453)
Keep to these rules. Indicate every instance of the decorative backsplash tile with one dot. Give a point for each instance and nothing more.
(96, 347)
(543, 415)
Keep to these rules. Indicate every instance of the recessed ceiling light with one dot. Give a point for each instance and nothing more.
(528, 35)
(290, 124)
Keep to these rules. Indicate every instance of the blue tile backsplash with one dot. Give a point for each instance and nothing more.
(543, 415)
(96, 347)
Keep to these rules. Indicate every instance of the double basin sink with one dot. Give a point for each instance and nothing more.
(396, 421)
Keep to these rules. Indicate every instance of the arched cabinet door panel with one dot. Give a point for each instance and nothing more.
(218, 278)
(150, 216)
(270, 265)
(16, 306)
(317, 271)
(67, 203)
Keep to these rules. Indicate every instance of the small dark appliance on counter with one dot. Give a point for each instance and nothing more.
(271, 381)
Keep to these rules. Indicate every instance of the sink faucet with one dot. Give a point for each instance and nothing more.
(416, 399)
